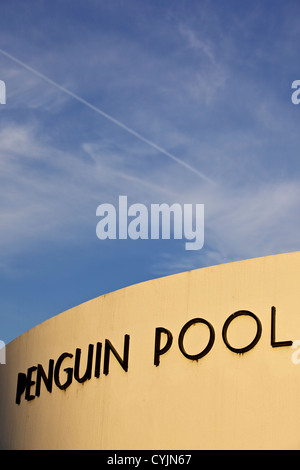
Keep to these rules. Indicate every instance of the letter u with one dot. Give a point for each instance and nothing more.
(88, 372)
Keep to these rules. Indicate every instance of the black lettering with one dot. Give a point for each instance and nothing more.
(274, 343)
(21, 386)
(257, 336)
(109, 348)
(88, 373)
(98, 359)
(42, 375)
(68, 370)
(29, 383)
(210, 344)
(157, 351)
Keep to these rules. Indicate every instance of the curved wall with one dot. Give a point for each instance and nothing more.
(164, 365)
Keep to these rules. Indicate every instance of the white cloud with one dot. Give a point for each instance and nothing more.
(203, 45)
(46, 192)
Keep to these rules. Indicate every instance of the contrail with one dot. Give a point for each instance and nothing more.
(107, 116)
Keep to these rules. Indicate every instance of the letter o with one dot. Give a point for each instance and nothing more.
(257, 336)
(209, 345)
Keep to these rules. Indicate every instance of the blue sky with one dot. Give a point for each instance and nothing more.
(207, 81)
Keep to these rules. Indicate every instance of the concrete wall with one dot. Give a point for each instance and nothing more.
(224, 400)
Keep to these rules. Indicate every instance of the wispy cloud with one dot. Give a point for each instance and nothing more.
(203, 46)
(46, 192)
(109, 117)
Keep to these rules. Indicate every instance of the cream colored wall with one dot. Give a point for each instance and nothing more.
(223, 401)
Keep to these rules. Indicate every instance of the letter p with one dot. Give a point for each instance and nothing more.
(157, 351)
(21, 386)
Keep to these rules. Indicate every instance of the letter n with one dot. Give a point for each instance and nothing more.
(109, 348)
